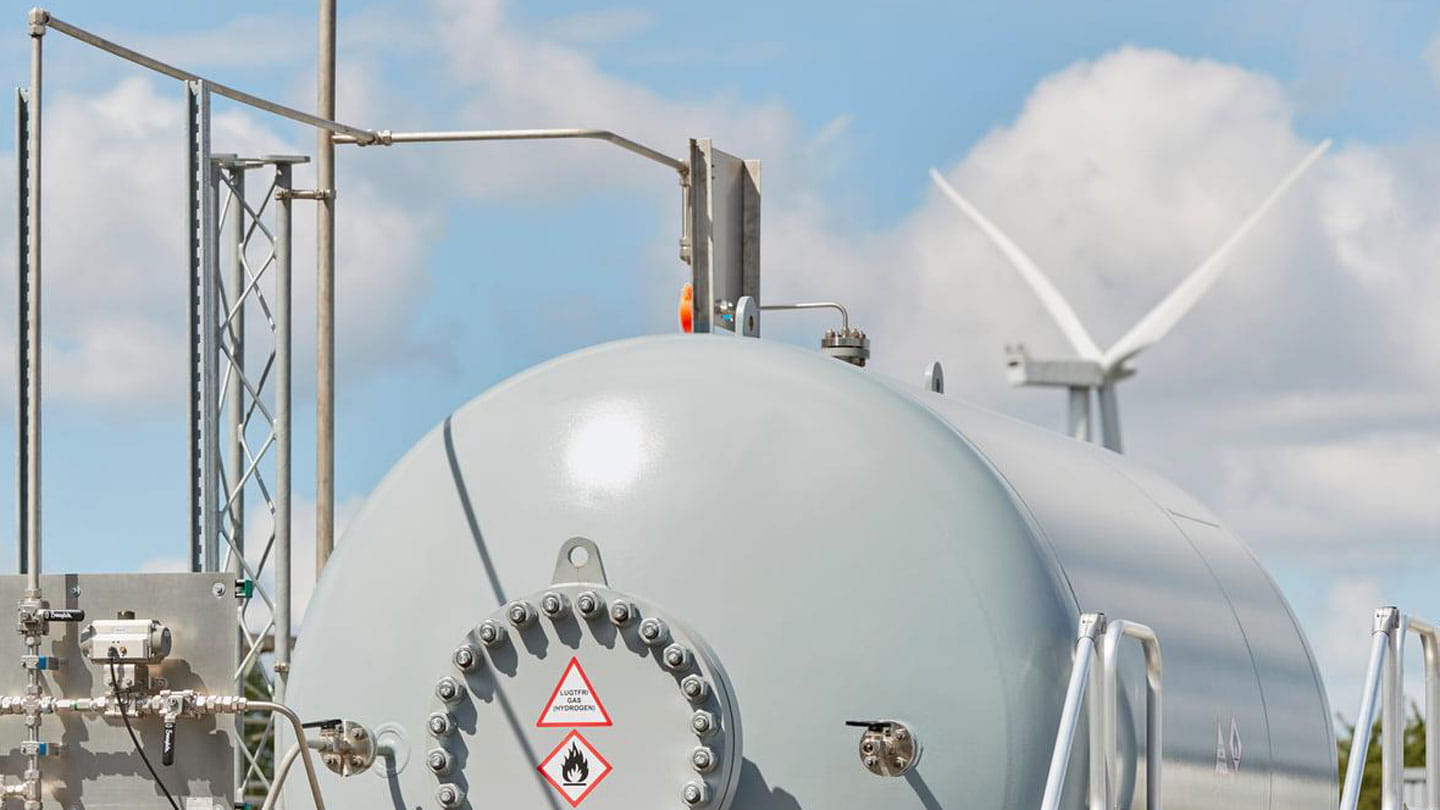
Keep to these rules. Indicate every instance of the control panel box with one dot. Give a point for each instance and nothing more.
(96, 766)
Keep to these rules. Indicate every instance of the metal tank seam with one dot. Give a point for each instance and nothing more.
(1170, 515)
(1244, 636)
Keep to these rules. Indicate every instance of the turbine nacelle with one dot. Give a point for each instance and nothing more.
(1058, 372)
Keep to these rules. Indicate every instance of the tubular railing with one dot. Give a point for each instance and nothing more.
(1385, 682)
(1098, 698)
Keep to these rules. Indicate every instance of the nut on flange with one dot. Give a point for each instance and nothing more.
(554, 605)
(449, 795)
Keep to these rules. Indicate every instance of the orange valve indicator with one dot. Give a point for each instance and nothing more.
(687, 308)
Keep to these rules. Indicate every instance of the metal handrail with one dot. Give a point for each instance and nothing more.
(1117, 630)
(1102, 705)
(1385, 682)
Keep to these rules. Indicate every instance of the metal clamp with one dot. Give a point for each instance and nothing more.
(1102, 705)
(1386, 676)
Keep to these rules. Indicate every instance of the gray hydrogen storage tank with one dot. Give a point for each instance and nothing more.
(777, 544)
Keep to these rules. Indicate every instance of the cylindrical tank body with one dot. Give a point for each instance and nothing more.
(851, 548)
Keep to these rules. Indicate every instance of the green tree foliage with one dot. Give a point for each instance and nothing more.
(1370, 782)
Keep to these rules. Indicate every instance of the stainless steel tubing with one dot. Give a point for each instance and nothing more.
(844, 314)
(51, 21)
(265, 706)
(1154, 743)
(386, 138)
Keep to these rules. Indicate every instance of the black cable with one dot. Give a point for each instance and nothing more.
(115, 685)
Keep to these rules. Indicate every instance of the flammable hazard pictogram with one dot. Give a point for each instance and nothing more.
(574, 703)
(574, 768)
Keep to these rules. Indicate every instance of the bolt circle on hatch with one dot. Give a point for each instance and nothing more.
(638, 651)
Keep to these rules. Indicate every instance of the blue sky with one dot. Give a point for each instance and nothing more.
(1117, 142)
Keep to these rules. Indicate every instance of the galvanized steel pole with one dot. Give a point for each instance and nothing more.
(22, 318)
(32, 332)
(325, 295)
(282, 427)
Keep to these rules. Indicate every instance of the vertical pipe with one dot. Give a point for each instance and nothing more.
(1079, 415)
(1109, 417)
(32, 336)
(1430, 646)
(282, 428)
(1392, 722)
(1099, 795)
(325, 294)
(233, 319)
(22, 322)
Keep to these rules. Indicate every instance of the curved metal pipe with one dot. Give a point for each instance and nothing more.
(386, 138)
(282, 770)
(1154, 744)
(276, 708)
(844, 315)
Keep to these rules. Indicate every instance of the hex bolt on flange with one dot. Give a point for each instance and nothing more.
(589, 604)
(449, 795)
(654, 632)
(702, 759)
(621, 613)
(490, 634)
(438, 761)
(695, 794)
(694, 688)
(465, 658)
(676, 658)
(554, 605)
(521, 614)
(439, 724)
(448, 689)
(702, 723)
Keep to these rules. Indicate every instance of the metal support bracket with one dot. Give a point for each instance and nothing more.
(1101, 706)
(1385, 681)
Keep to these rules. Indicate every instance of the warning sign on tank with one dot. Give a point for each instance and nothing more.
(574, 703)
(574, 768)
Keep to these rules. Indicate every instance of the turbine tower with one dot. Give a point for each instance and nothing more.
(1093, 370)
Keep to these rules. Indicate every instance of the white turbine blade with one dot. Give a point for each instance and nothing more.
(1159, 321)
(1054, 302)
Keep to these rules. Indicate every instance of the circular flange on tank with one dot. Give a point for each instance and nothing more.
(583, 694)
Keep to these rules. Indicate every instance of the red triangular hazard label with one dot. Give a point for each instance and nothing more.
(574, 702)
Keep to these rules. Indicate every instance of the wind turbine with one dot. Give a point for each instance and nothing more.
(1095, 370)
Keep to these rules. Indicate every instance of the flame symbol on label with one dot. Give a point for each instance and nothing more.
(575, 770)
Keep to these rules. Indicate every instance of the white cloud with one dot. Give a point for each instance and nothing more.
(1371, 498)
(601, 26)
